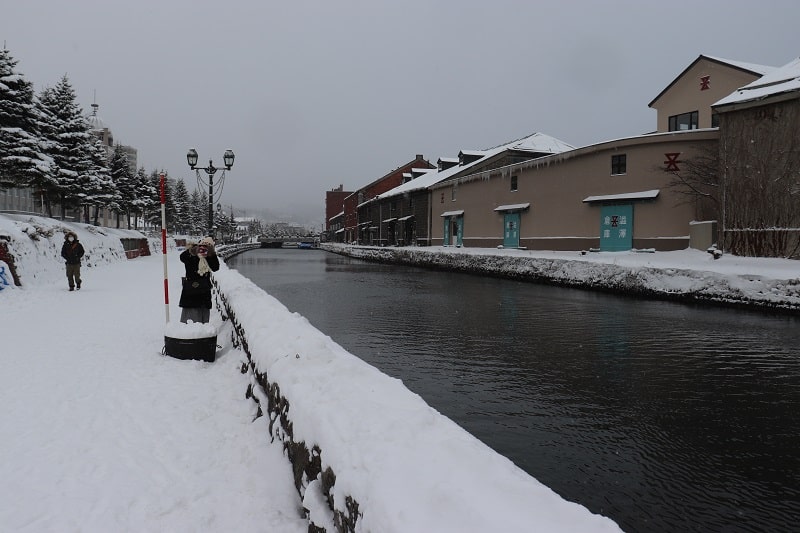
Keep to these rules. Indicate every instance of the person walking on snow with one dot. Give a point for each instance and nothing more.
(200, 260)
(72, 251)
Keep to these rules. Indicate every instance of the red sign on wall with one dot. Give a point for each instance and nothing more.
(705, 83)
(672, 162)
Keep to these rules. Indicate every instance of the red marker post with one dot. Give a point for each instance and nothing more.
(164, 243)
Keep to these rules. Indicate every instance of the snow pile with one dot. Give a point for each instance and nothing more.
(35, 243)
(689, 275)
(179, 330)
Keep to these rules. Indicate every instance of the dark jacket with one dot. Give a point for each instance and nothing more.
(72, 251)
(192, 263)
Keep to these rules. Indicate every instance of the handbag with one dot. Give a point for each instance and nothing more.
(201, 285)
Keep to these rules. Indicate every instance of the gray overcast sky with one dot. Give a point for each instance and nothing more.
(311, 94)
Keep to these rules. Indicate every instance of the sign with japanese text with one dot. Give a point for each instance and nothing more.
(616, 228)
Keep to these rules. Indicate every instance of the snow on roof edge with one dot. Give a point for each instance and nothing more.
(643, 195)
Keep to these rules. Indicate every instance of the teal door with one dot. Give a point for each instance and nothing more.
(453, 230)
(616, 228)
(511, 230)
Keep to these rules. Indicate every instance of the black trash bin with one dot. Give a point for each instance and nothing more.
(203, 349)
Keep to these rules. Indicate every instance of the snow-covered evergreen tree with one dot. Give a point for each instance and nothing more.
(22, 162)
(153, 211)
(99, 186)
(171, 213)
(180, 199)
(124, 181)
(195, 217)
(68, 141)
(146, 199)
(200, 210)
(226, 226)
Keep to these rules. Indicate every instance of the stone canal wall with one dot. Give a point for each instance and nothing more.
(636, 278)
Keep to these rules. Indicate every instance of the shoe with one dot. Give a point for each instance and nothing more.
(72, 288)
(79, 285)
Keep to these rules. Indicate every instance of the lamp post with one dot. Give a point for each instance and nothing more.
(210, 170)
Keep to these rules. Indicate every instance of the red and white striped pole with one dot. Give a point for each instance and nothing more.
(164, 244)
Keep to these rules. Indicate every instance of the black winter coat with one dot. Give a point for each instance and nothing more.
(72, 252)
(192, 263)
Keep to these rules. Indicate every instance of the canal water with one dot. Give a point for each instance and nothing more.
(659, 415)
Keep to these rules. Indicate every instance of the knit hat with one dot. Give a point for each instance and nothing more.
(206, 241)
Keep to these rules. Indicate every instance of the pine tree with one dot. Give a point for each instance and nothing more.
(68, 141)
(22, 162)
(201, 213)
(123, 179)
(182, 207)
(195, 209)
(153, 211)
(100, 188)
(146, 196)
(171, 213)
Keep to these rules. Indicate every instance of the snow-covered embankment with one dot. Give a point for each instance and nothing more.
(30, 246)
(368, 454)
(683, 275)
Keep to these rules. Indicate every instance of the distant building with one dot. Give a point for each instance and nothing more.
(334, 211)
(100, 130)
(20, 201)
(361, 221)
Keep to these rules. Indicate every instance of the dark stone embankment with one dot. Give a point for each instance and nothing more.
(674, 284)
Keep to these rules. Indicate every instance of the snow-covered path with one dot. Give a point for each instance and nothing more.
(99, 432)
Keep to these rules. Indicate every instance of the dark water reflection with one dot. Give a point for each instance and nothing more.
(662, 416)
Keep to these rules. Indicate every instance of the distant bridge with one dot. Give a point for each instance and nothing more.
(289, 242)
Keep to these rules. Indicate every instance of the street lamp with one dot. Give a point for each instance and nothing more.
(210, 170)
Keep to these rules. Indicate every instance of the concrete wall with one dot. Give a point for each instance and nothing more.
(703, 235)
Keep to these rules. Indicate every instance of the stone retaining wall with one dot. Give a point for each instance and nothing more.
(266, 394)
(639, 281)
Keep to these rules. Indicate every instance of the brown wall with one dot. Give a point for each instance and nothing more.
(334, 204)
(760, 150)
(556, 186)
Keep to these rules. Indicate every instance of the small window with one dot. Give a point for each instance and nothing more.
(715, 120)
(453, 193)
(686, 121)
(619, 164)
(513, 183)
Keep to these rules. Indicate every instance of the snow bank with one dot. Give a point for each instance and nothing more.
(34, 243)
(686, 275)
(369, 454)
